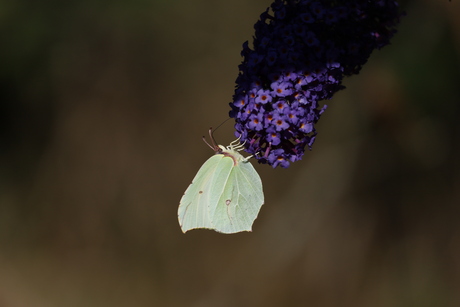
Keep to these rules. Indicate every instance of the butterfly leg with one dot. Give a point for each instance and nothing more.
(239, 147)
(235, 143)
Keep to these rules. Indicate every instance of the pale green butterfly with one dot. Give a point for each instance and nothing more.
(226, 194)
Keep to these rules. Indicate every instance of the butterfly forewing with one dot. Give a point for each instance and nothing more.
(193, 207)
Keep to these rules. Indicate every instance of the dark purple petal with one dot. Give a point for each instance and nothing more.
(279, 121)
(256, 122)
(273, 137)
(280, 106)
(305, 126)
(263, 96)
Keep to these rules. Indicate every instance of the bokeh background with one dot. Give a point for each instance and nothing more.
(103, 105)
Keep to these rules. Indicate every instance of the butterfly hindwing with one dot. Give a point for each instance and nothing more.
(241, 198)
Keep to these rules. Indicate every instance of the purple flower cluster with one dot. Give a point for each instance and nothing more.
(302, 51)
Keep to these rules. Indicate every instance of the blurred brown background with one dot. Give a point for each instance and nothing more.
(103, 105)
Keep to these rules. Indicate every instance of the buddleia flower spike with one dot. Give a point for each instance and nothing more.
(301, 51)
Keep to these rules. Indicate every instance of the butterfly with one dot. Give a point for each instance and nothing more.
(226, 194)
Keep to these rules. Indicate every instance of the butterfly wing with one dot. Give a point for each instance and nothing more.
(236, 196)
(193, 207)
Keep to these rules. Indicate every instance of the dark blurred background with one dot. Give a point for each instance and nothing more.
(102, 109)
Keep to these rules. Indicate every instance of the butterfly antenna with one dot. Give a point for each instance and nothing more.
(213, 146)
(222, 123)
